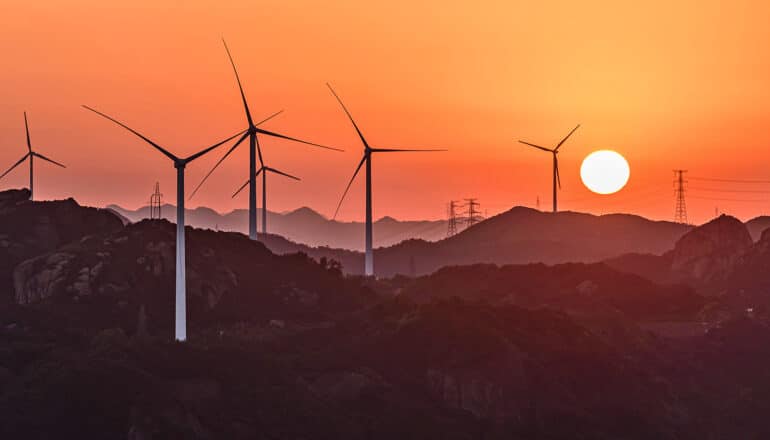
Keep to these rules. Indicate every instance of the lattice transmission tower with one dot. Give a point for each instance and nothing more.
(680, 211)
(472, 212)
(155, 202)
(451, 211)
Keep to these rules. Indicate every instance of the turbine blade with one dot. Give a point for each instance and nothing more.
(247, 182)
(26, 128)
(157, 147)
(348, 187)
(281, 173)
(278, 135)
(537, 146)
(206, 150)
(366, 144)
(49, 160)
(401, 150)
(217, 164)
(558, 176)
(269, 118)
(566, 137)
(240, 87)
(15, 165)
(239, 189)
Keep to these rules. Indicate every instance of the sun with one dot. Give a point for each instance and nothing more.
(605, 171)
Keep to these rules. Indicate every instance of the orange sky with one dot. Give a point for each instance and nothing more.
(667, 85)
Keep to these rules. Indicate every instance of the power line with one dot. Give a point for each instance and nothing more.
(648, 188)
(731, 190)
(728, 199)
(714, 179)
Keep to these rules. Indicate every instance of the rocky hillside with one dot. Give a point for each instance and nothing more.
(229, 277)
(707, 253)
(29, 229)
(717, 258)
(522, 352)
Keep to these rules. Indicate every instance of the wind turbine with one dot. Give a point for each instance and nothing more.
(554, 152)
(367, 159)
(180, 164)
(31, 155)
(264, 170)
(251, 132)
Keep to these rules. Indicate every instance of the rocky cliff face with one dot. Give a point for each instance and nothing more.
(227, 274)
(29, 229)
(749, 281)
(710, 252)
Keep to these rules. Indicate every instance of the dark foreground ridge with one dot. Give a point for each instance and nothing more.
(284, 347)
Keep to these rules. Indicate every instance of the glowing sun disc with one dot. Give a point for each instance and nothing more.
(605, 171)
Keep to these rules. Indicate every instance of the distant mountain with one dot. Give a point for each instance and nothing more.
(302, 225)
(518, 236)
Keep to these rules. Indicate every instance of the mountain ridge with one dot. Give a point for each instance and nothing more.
(302, 225)
(510, 238)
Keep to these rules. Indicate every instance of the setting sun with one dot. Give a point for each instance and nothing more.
(604, 172)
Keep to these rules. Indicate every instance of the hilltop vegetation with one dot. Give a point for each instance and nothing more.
(284, 346)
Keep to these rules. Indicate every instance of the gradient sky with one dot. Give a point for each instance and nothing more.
(666, 84)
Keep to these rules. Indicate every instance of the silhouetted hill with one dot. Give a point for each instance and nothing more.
(303, 225)
(284, 347)
(228, 275)
(519, 236)
(579, 289)
(28, 229)
(758, 225)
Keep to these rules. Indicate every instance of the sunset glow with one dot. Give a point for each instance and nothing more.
(675, 84)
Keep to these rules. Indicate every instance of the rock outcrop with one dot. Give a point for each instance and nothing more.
(29, 229)
(705, 258)
(709, 252)
(227, 274)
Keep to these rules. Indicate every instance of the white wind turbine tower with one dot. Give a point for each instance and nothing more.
(367, 159)
(251, 132)
(31, 155)
(554, 152)
(180, 163)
